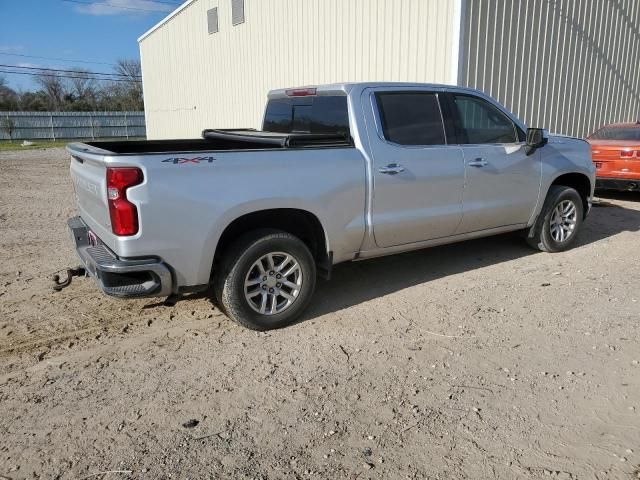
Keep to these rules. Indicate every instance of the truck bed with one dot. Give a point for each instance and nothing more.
(220, 140)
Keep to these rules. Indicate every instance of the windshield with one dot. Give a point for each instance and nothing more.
(324, 114)
(617, 133)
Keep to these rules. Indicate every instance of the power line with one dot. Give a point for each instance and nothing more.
(115, 6)
(56, 59)
(168, 3)
(69, 76)
(71, 71)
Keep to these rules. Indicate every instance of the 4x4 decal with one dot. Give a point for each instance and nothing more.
(183, 160)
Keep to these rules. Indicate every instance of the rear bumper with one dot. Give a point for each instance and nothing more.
(617, 184)
(119, 277)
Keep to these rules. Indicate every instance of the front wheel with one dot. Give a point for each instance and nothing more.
(559, 220)
(266, 280)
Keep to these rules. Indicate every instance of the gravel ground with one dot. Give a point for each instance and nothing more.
(478, 360)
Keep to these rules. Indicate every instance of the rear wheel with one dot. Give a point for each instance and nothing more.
(266, 280)
(559, 220)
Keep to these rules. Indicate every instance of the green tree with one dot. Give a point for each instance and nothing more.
(34, 102)
(8, 97)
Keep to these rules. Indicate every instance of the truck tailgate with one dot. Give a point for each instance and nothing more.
(88, 173)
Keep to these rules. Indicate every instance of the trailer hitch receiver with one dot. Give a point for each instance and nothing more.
(71, 272)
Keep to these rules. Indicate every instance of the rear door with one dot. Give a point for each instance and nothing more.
(502, 182)
(417, 177)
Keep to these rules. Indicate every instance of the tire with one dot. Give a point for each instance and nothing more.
(553, 232)
(240, 264)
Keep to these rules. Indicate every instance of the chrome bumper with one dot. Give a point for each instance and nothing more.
(119, 277)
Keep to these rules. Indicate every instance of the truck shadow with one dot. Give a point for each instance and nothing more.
(357, 282)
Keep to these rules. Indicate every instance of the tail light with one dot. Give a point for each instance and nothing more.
(300, 92)
(626, 153)
(124, 214)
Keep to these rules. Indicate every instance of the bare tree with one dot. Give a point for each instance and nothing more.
(8, 125)
(84, 89)
(54, 87)
(130, 92)
(79, 90)
(129, 67)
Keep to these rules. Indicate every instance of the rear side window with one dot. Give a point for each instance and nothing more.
(411, 118)
(323, 114)
(480, 122)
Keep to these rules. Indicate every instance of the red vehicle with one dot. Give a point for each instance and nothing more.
(615, 150)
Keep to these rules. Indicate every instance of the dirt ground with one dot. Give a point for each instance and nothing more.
(478, 360)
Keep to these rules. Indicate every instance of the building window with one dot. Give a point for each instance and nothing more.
(212, 20)
(237, 12)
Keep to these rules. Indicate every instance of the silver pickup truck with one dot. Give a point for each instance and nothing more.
(338, 172)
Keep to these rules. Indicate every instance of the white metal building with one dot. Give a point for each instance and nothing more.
(567, 65)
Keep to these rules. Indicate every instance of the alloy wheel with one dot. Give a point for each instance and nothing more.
(563, 221)
(273, 283)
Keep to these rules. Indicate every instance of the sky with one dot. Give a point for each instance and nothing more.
(100, 31)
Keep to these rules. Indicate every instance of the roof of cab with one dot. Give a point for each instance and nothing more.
(344, 88)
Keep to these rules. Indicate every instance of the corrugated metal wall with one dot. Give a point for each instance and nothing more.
(567, 65)
(60, 125)
(194, 80)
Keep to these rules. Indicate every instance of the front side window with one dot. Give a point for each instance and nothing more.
(480, 122)
(411, 118)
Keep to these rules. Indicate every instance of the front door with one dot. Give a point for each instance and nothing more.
(417, 177)
(502, 182)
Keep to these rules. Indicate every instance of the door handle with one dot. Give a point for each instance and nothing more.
(478, 162)
(392, 169)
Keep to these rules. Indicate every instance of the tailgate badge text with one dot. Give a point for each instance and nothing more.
(182, 160)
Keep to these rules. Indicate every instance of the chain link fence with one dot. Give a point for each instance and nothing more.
(66, 125)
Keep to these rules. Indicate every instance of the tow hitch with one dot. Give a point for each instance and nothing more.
(71, 272)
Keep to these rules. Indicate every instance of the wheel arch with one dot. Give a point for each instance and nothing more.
(579, 182)
(299, 222)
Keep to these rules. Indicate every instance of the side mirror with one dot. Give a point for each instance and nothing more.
(537, 137)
